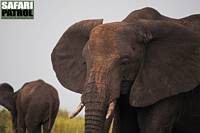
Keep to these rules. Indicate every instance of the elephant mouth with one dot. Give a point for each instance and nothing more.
(125, 89)
(109, 114)
(126, 86)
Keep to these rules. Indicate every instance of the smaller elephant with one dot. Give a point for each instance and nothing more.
(35, 104)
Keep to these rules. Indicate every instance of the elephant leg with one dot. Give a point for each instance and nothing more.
(34, 129)
(21, 128)
(125, 120)
(160, 117)
(48, 126)
(33, 124)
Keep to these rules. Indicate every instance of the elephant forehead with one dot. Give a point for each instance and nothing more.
(104, 30)
(104, 40)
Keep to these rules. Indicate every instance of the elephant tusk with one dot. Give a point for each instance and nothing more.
(78, 110)
(111, 109)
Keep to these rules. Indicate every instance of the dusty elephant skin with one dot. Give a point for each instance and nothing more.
(145, 69)
(35, 104)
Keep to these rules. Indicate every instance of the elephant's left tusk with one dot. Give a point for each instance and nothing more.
(111, 109)
(79, 108)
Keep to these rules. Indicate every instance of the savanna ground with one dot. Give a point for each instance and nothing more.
(62, 124)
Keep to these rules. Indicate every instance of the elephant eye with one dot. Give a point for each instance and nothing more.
(84, 63)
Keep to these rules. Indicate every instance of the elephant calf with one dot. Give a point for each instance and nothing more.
(35, 104)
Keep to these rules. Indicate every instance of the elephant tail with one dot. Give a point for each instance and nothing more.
(50, 116)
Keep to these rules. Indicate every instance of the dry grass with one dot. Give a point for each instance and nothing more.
(65, 125)
(62, 124)
(5, 122)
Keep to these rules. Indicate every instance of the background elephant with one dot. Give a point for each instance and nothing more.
(35, 104)
(146, 69)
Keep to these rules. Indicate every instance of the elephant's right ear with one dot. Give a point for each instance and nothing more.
(5, 90)
(68, 64)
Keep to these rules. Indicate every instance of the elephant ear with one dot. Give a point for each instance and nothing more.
(171, 62)
(193, 22)
(144, 13)
(68, 64)
(5, 90)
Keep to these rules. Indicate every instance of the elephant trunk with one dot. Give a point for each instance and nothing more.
(96, 99)
(95, 110)
(94, 118)
(100, 91)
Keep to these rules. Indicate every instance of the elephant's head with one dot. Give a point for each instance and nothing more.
(159, 59)
(8, 99)
(6, 93)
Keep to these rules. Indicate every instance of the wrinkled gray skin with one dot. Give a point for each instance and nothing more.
(148, 63)
(34, 105)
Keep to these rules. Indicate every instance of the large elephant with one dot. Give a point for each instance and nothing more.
(145, 69)
(34, 105)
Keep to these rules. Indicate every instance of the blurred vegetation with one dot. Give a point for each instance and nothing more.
(5, 122)
(62, 124)
(65, 125)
